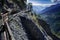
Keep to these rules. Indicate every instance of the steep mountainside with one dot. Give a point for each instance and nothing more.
(52, 16)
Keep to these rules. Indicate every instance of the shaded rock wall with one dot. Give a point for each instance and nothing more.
(31, 29)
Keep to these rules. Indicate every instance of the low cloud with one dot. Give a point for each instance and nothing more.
(43, 5)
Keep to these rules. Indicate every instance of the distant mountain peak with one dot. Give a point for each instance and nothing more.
(51, 9)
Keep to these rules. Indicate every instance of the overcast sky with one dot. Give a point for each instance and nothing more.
(40, 1)
(42, 4)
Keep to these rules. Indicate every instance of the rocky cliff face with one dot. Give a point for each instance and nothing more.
(17, 28)
(23, 28)
(25, 25)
